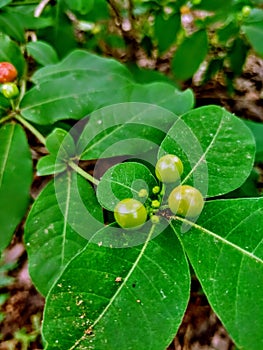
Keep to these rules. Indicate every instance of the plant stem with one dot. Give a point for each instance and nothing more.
(4, 119)
(30, 127)
(83, 173)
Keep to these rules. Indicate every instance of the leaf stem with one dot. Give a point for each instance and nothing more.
(4, 119)
(83, 173)
(31, 128)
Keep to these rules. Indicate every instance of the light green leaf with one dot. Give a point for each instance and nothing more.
(124, 180)
(15, 179)
(49, 165)
(189, 55)
(60, 144)
(254, 34)
(106, 292)
(65, 211)
(225, 249)
(216, 148)
(124, 129)
(42, 52)
(164, 95)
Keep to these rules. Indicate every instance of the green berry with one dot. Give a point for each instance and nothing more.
(9, 90)
(186, 201)
(130, 213)
(169, 168)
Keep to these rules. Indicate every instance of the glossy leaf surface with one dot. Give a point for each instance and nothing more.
(211, 143)
(53, 232)
(227, 256)
(124, 180)
(15, 179)
(108, 292)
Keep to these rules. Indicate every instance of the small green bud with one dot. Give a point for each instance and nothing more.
(246, 11)
(143, 193)
(155, 204)
(9, 90)
(156, 189)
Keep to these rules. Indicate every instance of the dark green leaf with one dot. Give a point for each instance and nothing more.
(164, 95)
(4, 105)
(216, 148)
(124, 129)
(63, 217)
(226, 252)
(107, 292)
(42, 52)
(238, 55)
(81, 6)
(60, 144)
(49, 165)
(15, 179)
(257, 130)
(124, 180)
(10, 52)
(11, 25)
(189, 55)
(3, 3)
(82, 62)
(166, 30)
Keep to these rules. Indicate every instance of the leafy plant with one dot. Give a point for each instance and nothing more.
(108, 286)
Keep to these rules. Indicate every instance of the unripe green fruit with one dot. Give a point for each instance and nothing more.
(143, 193)
(156, 204)
(9, 90)
(130, 213)
(186, 201)
(246, 11)
(169, 168)
(156, 189)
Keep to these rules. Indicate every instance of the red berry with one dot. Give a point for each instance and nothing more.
(8, 72)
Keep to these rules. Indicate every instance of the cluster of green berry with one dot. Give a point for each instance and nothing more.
(8, 75)
(183, 200)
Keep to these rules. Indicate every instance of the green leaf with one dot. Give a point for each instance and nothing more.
(49, 165)
(81, 6)
(42, 52)
(63, 217)
(11, 25)
(164, 95)
(165, 30)
(254, 34)
(124, 180)
(15, 179)
(73, 97)
(189, 55)
(153, 280)
(60, 144)
(4, 105)
(10, 52)
(3, 3)
(257, 130)
(82, 62)
(216, 148)
(228, 261)
(238, 55)
(124, 129)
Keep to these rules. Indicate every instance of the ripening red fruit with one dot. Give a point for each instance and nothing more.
(8, 72)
